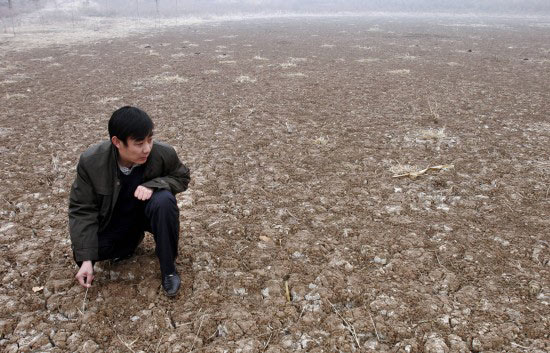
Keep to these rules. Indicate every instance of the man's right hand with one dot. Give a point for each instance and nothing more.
(85, 275)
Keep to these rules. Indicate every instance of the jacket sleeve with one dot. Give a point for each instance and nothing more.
(83, 217)
(176, 178)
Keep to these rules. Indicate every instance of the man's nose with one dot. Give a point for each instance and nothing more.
(147, 147)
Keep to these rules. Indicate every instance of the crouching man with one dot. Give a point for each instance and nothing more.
(123, 187)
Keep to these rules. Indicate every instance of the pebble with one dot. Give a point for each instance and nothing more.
(90, 346)
(457, 344)
(239, 291)
(286, 342)
(435, 344)
(476, 345)
(394, 209)
(6, 327)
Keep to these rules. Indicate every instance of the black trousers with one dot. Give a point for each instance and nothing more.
(160, 216)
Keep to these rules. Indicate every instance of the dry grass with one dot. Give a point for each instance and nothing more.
(295, 74)
(367, 60)
(433, 110)
(245, 79)
(166, 78)
(16, 96)
(287, 65)
(538, 127)
(46, 59)
(179, 55)
(432, 134)
(407, 57)
(404, 169)
(361, 47)
(321, 140)
(107, 100)
(400, 72)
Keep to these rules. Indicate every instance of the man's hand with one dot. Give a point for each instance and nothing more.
(142, 193)
(85, 275)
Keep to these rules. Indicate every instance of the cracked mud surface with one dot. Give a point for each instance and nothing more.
(293, 130)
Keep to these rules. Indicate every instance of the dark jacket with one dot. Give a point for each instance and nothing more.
(96, 187)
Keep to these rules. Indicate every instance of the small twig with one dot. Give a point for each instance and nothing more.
(374, 325)
(197, 335)
(349, 326)
(437, 258)
(433, 111)
(158, 345)
(268, 340)
(287, 292)
(84, 301)
(421, 322)
(238, 252)
(508, 205)
(128, 345)
(519, 345)
(213, 335)
(291, 215)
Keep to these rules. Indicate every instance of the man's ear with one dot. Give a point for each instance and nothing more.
(116, 141)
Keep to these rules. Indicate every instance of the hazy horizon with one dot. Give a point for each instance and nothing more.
(170, 8)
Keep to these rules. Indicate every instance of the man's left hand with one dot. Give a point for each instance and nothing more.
(142, 193)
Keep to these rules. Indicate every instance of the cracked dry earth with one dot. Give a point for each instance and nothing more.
(293, 130)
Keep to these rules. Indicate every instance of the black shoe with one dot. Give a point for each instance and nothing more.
(171, 284)
(117, 260)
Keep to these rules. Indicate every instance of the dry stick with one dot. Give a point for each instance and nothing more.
(437, 258)
(349, 326)
(129, 346)
(434, 112)
(375, 330)
(238, 252)
(287, 292)
(291, 215)
(213, 335)
(268, 340)
(197, 335)
(84, 301)
(158, 345)
(507, 204)
(519, 345)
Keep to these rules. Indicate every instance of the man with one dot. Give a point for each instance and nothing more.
(123, 187)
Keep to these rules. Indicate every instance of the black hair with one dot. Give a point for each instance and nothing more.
(130, 122)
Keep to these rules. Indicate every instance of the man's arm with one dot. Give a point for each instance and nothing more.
(83, 216)
(177, 178)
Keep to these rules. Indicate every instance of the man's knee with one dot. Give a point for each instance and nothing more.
(162, 200)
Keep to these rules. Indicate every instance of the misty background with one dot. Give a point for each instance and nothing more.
(186, 8)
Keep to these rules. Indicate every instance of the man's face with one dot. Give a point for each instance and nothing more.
(134, 151)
